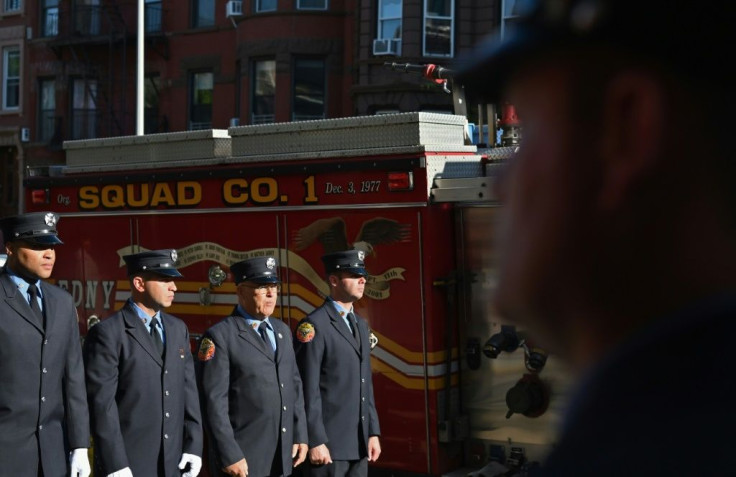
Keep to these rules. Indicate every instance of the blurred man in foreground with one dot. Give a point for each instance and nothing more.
(619, 238)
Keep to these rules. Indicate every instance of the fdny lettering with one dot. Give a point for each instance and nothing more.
(139, 196)
(87, 292)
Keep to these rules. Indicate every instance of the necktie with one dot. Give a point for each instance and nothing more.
(262, 331)
(352, 324)
(157, 341)
(33, 292)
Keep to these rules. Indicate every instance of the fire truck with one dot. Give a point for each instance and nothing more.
(456, 388)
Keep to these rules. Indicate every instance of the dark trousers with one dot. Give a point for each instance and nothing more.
(339, 468)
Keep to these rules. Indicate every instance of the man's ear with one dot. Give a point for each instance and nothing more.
(138, 283)
(632, 130)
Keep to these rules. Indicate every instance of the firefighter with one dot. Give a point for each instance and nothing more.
(618, 240)
(333, 352)
(250, 382)
(44, 424)
(141, 386)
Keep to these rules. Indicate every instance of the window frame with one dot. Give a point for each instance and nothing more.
(380, 19)
(42, 114)
(10, 11)
(254, 87)
(89, 108)
(294, 86)
(258, 9)
(6, 51)
(192, 97)
(44, 18)
(197, 17)
(426, 16)
(319, 9)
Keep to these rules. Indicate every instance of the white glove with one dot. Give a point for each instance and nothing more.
(79, 463)
(194, 467)
(126, 472)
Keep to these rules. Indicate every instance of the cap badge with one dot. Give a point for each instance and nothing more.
(50, 219)
(305, 333)
(174, 256)
(361, 255)
(270, 263)
(206, 350)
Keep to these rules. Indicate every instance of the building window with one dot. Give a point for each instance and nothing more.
(389, 19)
(11, 78)
(11, 6)
(87, 17)
(46, 109)
(203, 13)
(200, 100)
(309, 89)
(50, 17)
(263, 109)
(511, 11)
(84, 109)
(153, 16)
(265, 5)
(439, 26)
(311, 4)
(151, 89)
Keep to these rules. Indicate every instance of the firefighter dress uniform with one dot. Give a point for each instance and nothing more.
(144, 406)
(252, 395)
(43, 407)
(336, 372)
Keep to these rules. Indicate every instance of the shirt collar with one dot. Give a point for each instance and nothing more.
(253, 322)
(144, 316)
(342, 311)
(21, 283)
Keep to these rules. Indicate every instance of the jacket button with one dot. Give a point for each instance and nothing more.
(167, 414)
(166, 393)
(43, 398)
(284, 408)
(166, 436)
(283, 429)
(44, 371)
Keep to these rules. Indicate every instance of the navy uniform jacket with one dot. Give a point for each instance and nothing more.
(338, 389)
(138, 401)
(253, 401)
(42, 400)
(661, 405)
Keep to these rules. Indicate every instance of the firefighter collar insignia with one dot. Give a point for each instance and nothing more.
(361, 255)
(206, 350)
(270, 263)
(305, 333)
(174, 256)
(50, 219)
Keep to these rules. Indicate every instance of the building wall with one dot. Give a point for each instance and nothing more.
(355, 79)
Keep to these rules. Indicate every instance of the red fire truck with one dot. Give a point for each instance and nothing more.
(407, 189)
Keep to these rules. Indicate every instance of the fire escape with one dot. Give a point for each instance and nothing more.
(92, 39)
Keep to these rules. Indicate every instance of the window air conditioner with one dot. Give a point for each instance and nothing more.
(387, 46)
(234, 8)
(25, 134)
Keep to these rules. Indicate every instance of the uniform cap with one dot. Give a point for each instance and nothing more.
(345, 261)
(257, 270)
(160, 262)
(693, 41)
(34, 227)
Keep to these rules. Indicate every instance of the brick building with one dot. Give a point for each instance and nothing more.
(69, 66)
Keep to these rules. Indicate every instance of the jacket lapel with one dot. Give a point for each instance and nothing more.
(339, 324)
(249, 334)
(136, 329)
(18, 302)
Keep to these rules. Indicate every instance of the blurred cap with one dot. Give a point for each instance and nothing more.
(262, 270)
(694, 41)
(346, 261)
(34, 227)
(160, 262)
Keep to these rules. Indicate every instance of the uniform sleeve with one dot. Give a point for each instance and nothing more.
(215, 369)
(309, 352)
(193, 439)
(75, 397)
(101, 357)
(374, 428)
(300, 417)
